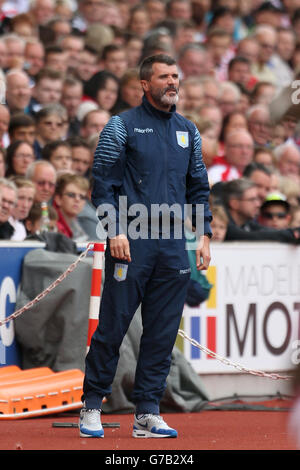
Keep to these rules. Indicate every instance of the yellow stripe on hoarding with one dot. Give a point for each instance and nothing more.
(211, 275)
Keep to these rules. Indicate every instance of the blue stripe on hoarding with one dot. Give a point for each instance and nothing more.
(195, 334)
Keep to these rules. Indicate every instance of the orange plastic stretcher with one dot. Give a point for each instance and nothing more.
(38, 391)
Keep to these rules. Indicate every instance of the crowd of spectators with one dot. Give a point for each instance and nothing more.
(69, 65)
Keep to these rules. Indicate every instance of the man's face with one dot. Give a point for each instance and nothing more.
(156, 11)
(26, 133)
(163, 86)
(61, 158)
(133, 51)
(9, 200)
(93, 10)
(73, 46)
(15, 54)
(24, 203)
(218, 47)
(194, 97)
(240, 73)
(260, 127)
(94, 124)
(48, 91)
(44, 179)
(193, 63)
(228, 102)
(18, 92)
(132, 92)
(214, 115)
(267, 44)
(181, 11)
(249, 204)
(263, 184)
(266, 94)
(87, 65)
(57, 61)
(116, 63)
(286, 44)
(249, 50)
(239, 149)
(71, 99)
(34, 57)
(81, 160)
(289, 164)
(43, 11)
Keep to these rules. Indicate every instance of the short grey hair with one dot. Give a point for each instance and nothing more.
(8, 184)
(230, 86)
(31, 168)
(279, 151)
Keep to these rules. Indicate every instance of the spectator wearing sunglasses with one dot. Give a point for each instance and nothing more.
(50, 126)
(275, 212)
(69, 200)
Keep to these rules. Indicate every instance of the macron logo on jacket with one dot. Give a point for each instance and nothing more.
(143, 131)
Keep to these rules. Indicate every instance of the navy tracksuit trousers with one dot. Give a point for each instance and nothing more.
(157, 278)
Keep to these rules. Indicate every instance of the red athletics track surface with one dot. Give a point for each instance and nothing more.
(205, 430)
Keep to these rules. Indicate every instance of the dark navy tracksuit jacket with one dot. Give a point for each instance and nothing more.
(151, 157)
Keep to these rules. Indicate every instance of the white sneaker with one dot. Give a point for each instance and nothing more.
(90, 423)
(151, 426)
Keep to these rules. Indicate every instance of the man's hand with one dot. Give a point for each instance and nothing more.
(203, 253)
(119, 247)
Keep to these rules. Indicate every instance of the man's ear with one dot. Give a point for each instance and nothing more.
(145, 85)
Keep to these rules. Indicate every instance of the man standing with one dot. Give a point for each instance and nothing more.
(152, 156)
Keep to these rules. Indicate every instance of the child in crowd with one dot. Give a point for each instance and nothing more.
(275, 212)
(34, 220)
(219, 223)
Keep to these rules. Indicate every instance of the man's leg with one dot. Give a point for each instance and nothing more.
(119, 302)
(122, 294)
(161, 314)
(162, 308)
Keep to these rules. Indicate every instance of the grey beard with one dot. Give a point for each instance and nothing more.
(160, 97)
(169, 100)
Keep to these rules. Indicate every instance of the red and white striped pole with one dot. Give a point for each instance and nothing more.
(95, 290)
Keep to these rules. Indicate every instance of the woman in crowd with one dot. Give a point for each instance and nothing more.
(19, 155)
(103, 89)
